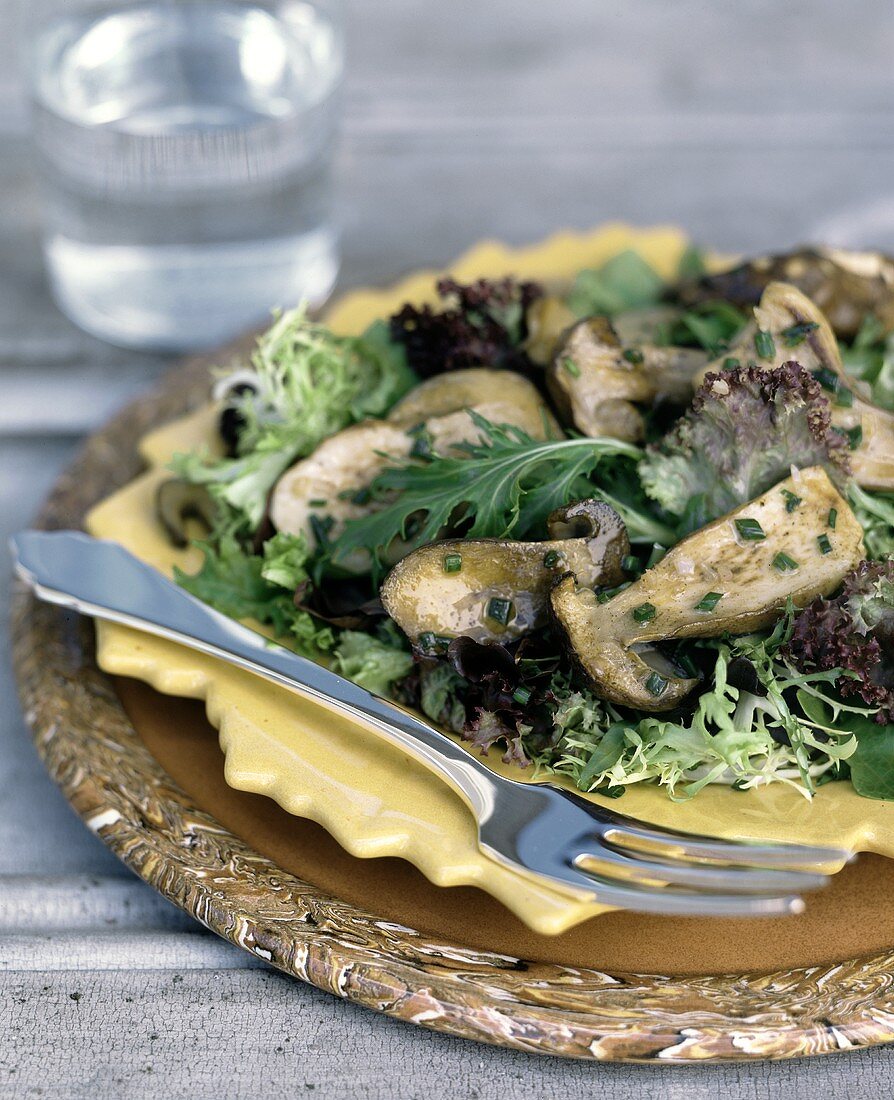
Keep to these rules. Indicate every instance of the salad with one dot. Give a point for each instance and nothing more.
(620, 531)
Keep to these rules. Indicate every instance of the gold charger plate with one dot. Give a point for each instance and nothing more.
(373, 798)
(620, 987)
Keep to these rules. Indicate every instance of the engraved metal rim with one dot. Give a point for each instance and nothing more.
(537, 1007)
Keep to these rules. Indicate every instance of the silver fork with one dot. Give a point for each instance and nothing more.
(584, 849)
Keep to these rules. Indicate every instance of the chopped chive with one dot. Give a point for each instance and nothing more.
(362, 496)
(500, 610)
(784, 563)
(522, 696)
(797, 334)
(686, 664)
(731, 363)
(321, 526)
(764, 345)
(709, 601)
(551, 559)
(833, 518)
(572, 367)
(453, 563)
(750, 530)
(824, 544)
(658, 552)
(421, 447)
(633, 355)
(791, 501)
(827, 378)
(656, 684)
(644, 613)
(844, 398)
(319, 503)
(630, 563)
(430, 642)
(854, 436)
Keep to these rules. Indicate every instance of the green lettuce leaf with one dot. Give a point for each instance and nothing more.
(625, 282)
(233, 581)
(375, 663)
(871, 360)
(875, 513)
(872, 764)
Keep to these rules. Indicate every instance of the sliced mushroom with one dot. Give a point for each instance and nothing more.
(474, 389)
(595, 381)
(319, 494)
(176, 502)
(845, 285)
(798, 330)
(496, 590)
(733, 576)
(547, 318)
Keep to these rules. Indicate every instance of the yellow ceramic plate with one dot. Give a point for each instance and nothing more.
(370, 797)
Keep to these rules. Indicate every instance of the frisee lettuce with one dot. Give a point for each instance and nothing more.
(732, 737)
(304, 383)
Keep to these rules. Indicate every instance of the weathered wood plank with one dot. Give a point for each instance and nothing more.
(120, 949)
(85, 903)
(496, 56)
(103, 1035)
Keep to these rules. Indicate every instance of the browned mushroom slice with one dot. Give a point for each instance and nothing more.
(845, 285)
(547, 319)
(733, 576)
(498, 589)
(478, 388)
(320, 493)
(176, 502)
(788, 325)
(596, 383)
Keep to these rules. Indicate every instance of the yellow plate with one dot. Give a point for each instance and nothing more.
(374, 800)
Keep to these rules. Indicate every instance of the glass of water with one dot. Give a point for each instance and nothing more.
(185, 154)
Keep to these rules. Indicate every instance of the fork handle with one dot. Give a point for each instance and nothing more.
(105, 581)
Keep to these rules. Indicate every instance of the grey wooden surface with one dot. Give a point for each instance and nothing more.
(754, 124)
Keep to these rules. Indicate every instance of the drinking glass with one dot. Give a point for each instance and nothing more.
(184, 151)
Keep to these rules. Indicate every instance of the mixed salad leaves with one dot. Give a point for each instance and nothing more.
(629, 532)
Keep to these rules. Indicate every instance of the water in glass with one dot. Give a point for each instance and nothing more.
(185, 152)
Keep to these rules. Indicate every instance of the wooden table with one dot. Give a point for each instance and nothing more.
(753, 124)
